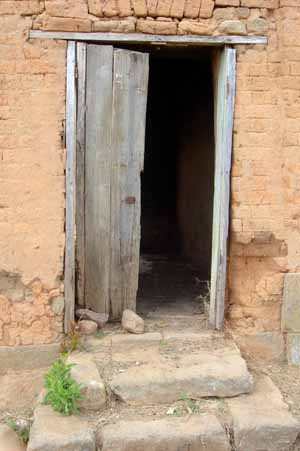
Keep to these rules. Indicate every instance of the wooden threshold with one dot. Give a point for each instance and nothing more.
(140, 38)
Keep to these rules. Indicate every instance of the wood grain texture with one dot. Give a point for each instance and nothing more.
(80, 172)
(98, 176)
(130, 85)
(142, 38)
(70, 187)
(225, 76)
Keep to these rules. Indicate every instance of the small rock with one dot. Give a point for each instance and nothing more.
(52, 431)
(132, 322)
(99, 318)
(87, 327)
(85, 372)
(233, 27)
(9, 441)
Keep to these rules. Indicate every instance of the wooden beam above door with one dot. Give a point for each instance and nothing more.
(140, 38)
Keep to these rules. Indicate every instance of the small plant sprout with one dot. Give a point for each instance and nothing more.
(63, 393)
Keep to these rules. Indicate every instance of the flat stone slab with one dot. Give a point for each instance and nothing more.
(198, 433)
(85, 372)
(54, 432)
(261, 421)
(220, 373)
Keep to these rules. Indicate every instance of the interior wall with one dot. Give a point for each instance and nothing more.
(196, 168)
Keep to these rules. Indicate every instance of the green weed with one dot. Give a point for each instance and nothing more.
(62, 392)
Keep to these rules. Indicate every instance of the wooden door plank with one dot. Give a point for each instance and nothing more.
(70, 187)
(98, 176)
(80, 172)
(128, 125)
(225, 76)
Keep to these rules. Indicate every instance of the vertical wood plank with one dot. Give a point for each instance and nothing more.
(130, 85)
(70, 186)
(80, 173)
(225, 76)
(98, 176)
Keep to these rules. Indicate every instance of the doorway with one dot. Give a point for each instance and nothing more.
(107, 93)
(177, 184)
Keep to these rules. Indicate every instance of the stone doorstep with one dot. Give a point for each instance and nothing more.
(196, 433)
(54, 432)
(216, 375)
(259, 421)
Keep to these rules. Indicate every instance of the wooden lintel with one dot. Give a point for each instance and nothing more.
(140, 38)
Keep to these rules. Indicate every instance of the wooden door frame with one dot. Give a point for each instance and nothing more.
(216, 315)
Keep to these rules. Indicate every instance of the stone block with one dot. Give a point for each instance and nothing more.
(293, 349)
(52, 431)
(290, 317)
(262, 421)
(234, 27)
(224, 374)
(199, 433)
(85, 372)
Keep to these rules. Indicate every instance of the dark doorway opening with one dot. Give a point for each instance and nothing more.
(177, 184)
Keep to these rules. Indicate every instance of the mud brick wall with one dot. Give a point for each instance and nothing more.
(265, 203)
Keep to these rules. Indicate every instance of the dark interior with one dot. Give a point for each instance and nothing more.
(177, 181)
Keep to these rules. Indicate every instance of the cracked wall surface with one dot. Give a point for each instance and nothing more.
(265, 200)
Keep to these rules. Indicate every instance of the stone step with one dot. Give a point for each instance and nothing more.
(52, 431)
(261, 421)
(196, 433)
(220, 372)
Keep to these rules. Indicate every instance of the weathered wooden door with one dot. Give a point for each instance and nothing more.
(224, 95)
(111, 112)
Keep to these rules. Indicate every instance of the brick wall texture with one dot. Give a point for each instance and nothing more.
(265, 203)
